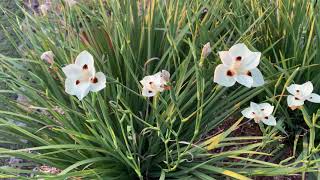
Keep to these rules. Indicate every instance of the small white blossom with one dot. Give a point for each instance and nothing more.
(155, 83)
(48, 57)
(300, 93)
(260, 113)
(239, 64)
(82, 77)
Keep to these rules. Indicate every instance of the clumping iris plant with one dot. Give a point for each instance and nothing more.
(171, 84)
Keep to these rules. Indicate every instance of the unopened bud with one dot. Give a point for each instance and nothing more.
(206, 50)
(48, 57)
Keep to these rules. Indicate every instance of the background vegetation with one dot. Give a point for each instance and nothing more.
(189, 132)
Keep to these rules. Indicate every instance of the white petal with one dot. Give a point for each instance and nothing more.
(257, 77)
(80, 89)
(307, 89)
(153, 82)
(294, 89)
(239, 50)
(245, 80)
(86, 62)
(226, 58)
(148, 93)
(269, 120)
(255, 107)
(315, 98)
(149, 79)
(160, 78)
(72, 71)
(251, 61)
(98, 82)
(221, 77)
(248, 113)
(292, 101)
(266, 108)
(165, 76)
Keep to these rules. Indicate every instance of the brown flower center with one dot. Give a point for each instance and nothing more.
(230, 73)
(85, 67)
(77, 82)
(238, 58)
(94, 80)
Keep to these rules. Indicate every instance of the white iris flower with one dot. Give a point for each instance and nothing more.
(239, 64)
(82, 77)
(260, 113)
(155, 83)
(300, 93)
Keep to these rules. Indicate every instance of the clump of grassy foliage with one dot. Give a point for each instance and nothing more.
(117, 133)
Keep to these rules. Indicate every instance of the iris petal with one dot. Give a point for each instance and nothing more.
(257, 77)
(226, 58)
(77, 88)
(266, 108)
(255, 107)
(294, 89)
(315, 98)
(239, 50)
(221, 77)
(98, 82)
(148, 93)
(245, 80)
(269, 120)
(251, 61)
(72, 71)
(86, 62)
(248, 113)
(293, 101)
(306, 89)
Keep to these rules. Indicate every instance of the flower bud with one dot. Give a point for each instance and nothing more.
(206, 50)
(48, 57)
